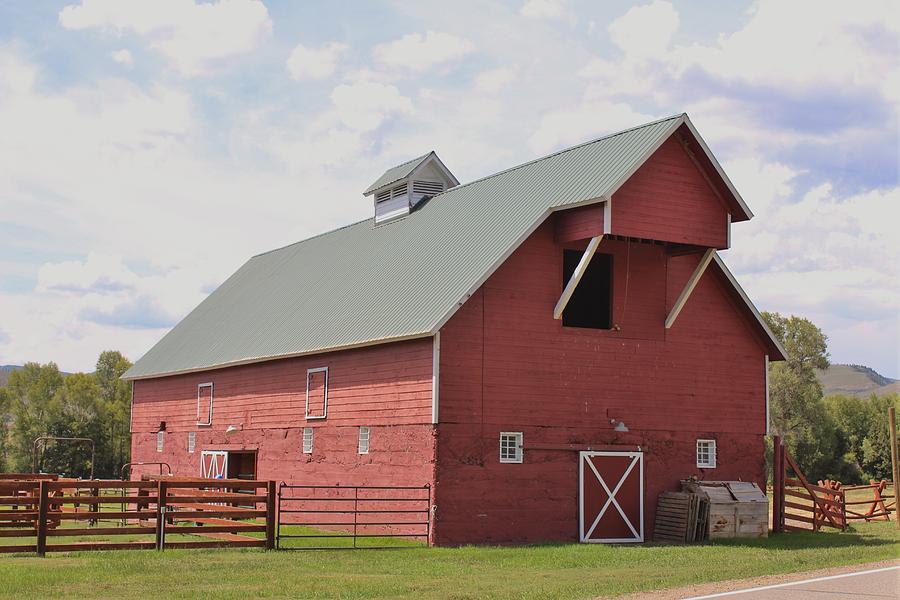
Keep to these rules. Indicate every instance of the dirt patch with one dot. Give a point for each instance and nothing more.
(737, 584)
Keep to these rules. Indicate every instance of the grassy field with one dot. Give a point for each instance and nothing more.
(548, 571)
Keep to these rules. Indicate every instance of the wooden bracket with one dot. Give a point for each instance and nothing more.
(576, 277)
(689, 286)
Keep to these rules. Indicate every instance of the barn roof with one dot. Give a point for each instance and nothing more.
(364, 284)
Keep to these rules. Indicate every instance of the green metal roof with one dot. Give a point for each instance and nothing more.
(397, 173)
(364, 284)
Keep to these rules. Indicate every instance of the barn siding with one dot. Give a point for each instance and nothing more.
(507, 365)
(579, 223)
(386, 387)
(668, 199)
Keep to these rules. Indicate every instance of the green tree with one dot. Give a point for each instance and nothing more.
(5, 420)
(32, 392)
(796, 409)
(115, 403)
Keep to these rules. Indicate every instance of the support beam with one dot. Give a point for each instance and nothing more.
(576, 277)
(689, 286)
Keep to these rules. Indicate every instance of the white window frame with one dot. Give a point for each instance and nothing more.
(307, 435)
(325, 408)
(209, 417)
(518, 441)
(365, 435)
(192, 441)
(160, 440)
(711, 450)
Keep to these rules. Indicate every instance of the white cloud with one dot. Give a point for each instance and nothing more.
(494, 81)
(194, 37)
(364, 105)
(123, 57)
(645, 31)
(315, 63)
(416, 52)
(545, 9)
(567, 126)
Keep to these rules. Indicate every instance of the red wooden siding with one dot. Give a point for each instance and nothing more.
(379, 385)
(507, 365)
(668, 199)
(578, 223)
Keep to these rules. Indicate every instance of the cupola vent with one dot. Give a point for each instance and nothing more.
(401, 188)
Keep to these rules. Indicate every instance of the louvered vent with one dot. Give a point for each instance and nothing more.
(391, 203)
(427, 188)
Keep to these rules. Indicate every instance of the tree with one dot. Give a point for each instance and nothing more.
(115, 402)
(5, 420)
(796, 410)
(32, 392)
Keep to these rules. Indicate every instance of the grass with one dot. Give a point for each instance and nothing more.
(547, 571)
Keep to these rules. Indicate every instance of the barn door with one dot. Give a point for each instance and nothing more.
(611, 498)
(213, 464)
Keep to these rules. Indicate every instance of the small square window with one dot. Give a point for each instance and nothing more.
(706, 454)
(160, 440)
(363, 440)
(192, 441)
(511, 447)
(307, 440)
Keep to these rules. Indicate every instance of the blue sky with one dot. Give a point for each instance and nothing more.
(150, 147)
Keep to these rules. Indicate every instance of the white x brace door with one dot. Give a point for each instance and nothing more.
(213, 464)
(611, 497)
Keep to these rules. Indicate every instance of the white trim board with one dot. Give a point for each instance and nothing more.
(435, 376)
(692, 282)
(577, 274)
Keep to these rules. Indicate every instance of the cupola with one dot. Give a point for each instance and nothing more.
(401, 188)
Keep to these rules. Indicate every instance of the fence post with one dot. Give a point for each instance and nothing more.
(895, 467)
(777, 485)
(161, 492)
(41, 544)
(270, 515)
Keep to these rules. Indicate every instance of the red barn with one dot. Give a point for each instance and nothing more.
(549, 347)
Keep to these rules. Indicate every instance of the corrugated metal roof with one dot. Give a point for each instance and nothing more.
(397, 173)
(364, 284)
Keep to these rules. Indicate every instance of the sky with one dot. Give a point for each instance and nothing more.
(149, 148)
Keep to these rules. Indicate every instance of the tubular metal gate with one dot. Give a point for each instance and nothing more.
(337, 512)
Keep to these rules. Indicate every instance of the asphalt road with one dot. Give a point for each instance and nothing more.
(875, 584)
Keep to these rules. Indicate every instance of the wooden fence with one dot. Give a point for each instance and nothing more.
(799, 505)
(46, 515)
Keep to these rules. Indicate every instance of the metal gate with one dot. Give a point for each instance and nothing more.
(213, 464)
(611, 497)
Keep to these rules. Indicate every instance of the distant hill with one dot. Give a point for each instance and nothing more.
(5, 370)
(856, 380)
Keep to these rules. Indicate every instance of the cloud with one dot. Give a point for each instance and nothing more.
(141, 312)
(99, 273)
(315, 63)
(417, 53)
(364, 105)
(123, 57)
(545, 9)
(645, 31)
(194, 37)
(494, 81)
(567, 126)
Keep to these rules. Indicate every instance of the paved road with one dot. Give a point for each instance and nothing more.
(875, 584)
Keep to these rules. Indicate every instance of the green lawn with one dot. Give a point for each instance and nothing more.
(548, 571)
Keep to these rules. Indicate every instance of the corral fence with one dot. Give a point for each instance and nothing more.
(320, 517)
(48, 514)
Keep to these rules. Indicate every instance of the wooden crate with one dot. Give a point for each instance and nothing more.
(736, 508)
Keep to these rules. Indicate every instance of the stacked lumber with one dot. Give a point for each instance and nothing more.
(681, 517)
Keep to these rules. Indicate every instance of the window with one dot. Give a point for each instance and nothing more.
(511, 447)
(160, 440)
(317, 393)
(307, 440)
(706, 454)
(192, 441)
(363, 440)
(591, 303)
(204, 403)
